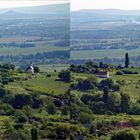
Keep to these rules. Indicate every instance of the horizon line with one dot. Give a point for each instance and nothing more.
(72, 10)
(35, 3)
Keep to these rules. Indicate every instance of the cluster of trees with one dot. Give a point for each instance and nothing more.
(102, 44)
(90, 67)
(24, 107)
(94, 97)
(64, 75)
(107, 100)
(55, 57)
(7, 71)
(93, 84)
(13, 44)
(83, 110)
(63, 43)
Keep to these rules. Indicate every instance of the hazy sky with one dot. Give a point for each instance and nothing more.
(105, 4)
(23, 3)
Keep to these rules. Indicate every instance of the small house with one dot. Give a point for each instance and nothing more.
(103, 74)
(30, 70)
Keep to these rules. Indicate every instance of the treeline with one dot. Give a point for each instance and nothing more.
(55, 57)
(13, 44)
(63, 43)
(135, 60)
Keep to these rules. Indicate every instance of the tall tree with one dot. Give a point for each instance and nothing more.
(125, 103)
(34, 133)
(105, 94)
(126, 60)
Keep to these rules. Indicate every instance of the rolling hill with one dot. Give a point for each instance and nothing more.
(103, 31)
(44, 9)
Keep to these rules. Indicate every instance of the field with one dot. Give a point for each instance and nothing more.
(27, 51)
(41, 83)
(40, 46)
(132, 85)
(51, 68)
(99, 54)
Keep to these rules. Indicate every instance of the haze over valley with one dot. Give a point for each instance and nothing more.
(105, 35)
(38, 34)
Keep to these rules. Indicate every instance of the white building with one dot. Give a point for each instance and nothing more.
(30, 69)
(104, 74)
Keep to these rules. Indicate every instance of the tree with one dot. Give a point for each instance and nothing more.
(106, 83)
(64, 75)
(113, 102)
(125, 135)
(17, 135)
(36, 69)
(65, 110)
(51, 109)
(20, 116)
(100, 64)
(84, 118)
(21, 100)
(105, 94)
(125, 103)
(34, 133)
(126, 60)
(99, 107)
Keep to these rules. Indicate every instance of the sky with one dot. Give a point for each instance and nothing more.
(26, 3)
(105, 4)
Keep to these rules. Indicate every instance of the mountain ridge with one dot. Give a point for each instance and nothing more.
(108, 11)
(42, 9)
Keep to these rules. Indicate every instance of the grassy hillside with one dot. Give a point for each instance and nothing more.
(97, 108)
(108, 53)
(33, 102)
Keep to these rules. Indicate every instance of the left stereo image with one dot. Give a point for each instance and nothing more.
(34, 70)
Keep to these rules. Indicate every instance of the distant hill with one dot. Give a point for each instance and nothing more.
(101, 15)
(107, 12)
(45, 9)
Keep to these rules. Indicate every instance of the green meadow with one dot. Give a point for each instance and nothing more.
(109, 53)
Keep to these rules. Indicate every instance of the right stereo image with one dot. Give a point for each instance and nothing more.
(105, 70)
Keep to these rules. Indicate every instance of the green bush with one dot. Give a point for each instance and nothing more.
(119, 73)
(126, 134)
(20, 117)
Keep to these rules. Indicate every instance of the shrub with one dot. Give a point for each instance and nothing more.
(20, 116)
(62, 131)
(64, 75)
(84, 118)
(119, 73)
(51, 109)
(134, 109)
(125, 135)
(17, 135)
(34, 133)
